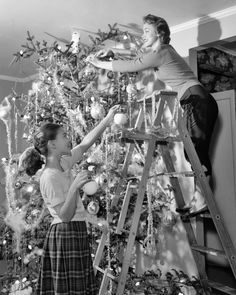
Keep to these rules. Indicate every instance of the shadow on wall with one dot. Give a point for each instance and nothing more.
(210, 32)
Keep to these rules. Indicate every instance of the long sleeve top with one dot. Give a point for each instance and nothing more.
(172, 68)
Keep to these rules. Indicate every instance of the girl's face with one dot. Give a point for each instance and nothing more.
(150, 35)
(62, 143)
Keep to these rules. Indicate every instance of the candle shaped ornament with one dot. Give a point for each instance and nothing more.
(75, 39)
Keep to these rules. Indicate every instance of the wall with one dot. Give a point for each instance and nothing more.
(214, 27)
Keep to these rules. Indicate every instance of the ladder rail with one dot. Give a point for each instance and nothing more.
(135, 221)
(180, 203)
(210, 201)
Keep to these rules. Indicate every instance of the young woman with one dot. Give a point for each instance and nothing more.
(200, 108)
(66, 263)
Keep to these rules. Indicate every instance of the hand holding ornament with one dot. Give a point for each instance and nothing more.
(113, 110)
(81, 178)
(105, 54)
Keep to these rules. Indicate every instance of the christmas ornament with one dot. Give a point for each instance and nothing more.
(169, 219)
(90, 188)
(110, 54)
(97, 111)
(90, 71)
(131, 89)
(120, 119)
(18, 185)
(108, 57)
(110, 75)
(75, 39)
(101, 179)
(93, 207)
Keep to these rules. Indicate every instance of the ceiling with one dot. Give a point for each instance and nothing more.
(58, 17)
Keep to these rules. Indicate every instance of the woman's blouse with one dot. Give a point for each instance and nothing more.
(171, 68)
(55, 184)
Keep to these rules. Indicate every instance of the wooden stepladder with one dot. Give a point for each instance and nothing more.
(153, 139)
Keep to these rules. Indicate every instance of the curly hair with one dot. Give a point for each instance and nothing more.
(160, 25)
(31, 160)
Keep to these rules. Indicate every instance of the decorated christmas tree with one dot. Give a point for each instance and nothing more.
(71, 92)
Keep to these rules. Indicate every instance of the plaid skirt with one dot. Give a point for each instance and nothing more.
(66, 265)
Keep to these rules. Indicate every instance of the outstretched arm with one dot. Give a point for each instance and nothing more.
(147, 60)
(92, 136)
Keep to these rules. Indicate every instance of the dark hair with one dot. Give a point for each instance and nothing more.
(160, 25)
(31, 160)
(47, 132)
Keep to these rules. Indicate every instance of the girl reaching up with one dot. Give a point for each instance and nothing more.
(66, 266)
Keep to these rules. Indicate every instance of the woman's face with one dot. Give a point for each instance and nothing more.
(150, 35)
(62, 143)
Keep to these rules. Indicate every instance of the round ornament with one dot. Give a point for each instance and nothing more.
(169, 219)
(110, 75)
(18, 185)
(110, 55)
(120, 119)
(93, 207)
(101, 179)
(131, 89)
(90, 188)
(97, 111)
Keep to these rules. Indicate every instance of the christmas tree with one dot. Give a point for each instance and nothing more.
(71, 92)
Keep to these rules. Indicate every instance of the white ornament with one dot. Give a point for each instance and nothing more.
(75, 39)
(120, 119)
(101, 179)
(97, 111)
(90, 188)
(93, 207)
(131, 89)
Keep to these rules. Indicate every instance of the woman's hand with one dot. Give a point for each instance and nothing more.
(105, 54)
(102, 53)
(81, 178)
(94, 61)
(113, 110)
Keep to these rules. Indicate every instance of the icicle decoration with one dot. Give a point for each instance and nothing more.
(149, 242)
(15, 219)
(108, 201)
(36, 106)
(71, 113)
(5, 115)
(16, 127)
(145, 113)
(7, 187)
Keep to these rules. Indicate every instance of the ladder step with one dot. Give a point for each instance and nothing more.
(207, 250)
(206, 215)
(148, 100)
(222, 288)
(186, 214)
(131, 135)
(103, 271)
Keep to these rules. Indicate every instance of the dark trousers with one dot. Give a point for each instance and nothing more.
(200, 114)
